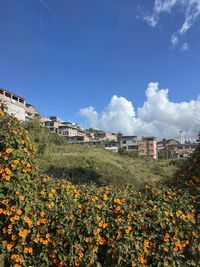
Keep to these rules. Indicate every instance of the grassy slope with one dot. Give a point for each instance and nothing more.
(100, 166)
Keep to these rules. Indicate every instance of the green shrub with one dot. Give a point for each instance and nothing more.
(51, 222)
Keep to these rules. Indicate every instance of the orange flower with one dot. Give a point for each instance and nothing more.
(118, 219)
(1, 113)
(9, 246)
(19, 212)
(142, 260)
(23, 233)
(26, 250)
(77, 262)
(8, 171)
(128, 229)
(9, 150)
(51, 195)
(104, 225)
(146, 243)
(13, 166)
(16, 218)
(94, 249)
(101, 240)
(30, 250)
(166, 238)
(21, 198)
(47, 235)
(5, 201)
(14, 237)
(119, 232)
(96, 231)
(105, 197)
(81, 255)
(28, 220)
(45, 242)
(7, 178)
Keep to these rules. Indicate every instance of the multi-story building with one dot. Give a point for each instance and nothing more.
(105, 136)
(51, 123)
(111, 146)
(163, 145)
(147, 147)
(69, 129)
(72, 132)
(128, 143)
(174, 149)
(17, 105)
(180, 150)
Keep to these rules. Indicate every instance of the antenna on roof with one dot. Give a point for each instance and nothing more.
(181, 137)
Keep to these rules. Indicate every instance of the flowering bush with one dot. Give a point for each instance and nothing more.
(51, 222)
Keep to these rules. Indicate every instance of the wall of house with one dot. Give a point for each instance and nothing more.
(16, 111)
(128, 144)
(148, 148)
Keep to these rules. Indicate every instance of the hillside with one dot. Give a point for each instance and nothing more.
(53, 222)
(83, 164)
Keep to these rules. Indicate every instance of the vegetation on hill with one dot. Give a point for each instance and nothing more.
(84, 164)
(42, 137)
(52, 222)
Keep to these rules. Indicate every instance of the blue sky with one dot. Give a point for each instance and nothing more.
(66, 55)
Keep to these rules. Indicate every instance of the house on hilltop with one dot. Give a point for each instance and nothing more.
(17, 105)
(128, 143)
(147, 147)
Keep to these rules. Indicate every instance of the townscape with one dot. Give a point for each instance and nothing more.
(100, 133)
(145, 146)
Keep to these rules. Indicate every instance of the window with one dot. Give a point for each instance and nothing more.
(1, 91)
(49, 123)
(124, 142)
(21, 100)
(8, 95)
(132, 147)
(15, 98)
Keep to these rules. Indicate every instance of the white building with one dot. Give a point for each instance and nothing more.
(128, 143)
(17, 105)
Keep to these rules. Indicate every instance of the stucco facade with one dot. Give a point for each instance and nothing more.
(17, 105)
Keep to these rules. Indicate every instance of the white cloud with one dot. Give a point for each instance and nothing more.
(184, 47)
(160, 6)
(189, 8)
(174, 40)
(158, 116)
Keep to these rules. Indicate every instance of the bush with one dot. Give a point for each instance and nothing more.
(42, 137)
(51, 222)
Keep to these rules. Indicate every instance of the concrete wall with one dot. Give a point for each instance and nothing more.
(16, 111)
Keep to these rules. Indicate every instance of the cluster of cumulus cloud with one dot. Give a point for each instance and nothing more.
(157, 117)
(190, 10)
